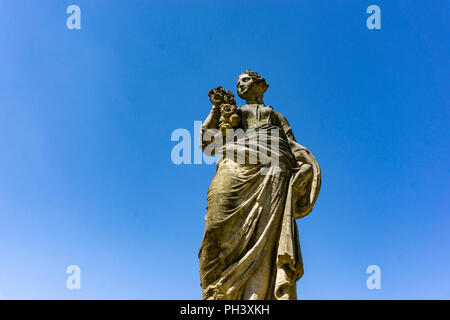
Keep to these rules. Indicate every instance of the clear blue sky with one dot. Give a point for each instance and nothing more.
(86, 116)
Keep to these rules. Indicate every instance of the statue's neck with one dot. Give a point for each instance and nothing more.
(258, 100)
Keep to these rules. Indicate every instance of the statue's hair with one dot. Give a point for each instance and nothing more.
(258, 79)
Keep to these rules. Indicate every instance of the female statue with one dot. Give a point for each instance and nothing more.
(250, 248)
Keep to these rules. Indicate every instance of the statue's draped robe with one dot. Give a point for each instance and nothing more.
(250, 248)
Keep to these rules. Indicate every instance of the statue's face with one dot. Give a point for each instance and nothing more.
(246, 86)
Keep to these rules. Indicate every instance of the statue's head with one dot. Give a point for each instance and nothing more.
(251, 86)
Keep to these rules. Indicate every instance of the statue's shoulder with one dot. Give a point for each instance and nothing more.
(279, 114)
(283, 120)
(245, 106)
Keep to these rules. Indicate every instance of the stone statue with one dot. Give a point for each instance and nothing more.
(264, 181)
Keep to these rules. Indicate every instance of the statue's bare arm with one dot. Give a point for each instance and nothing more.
(212, 120)
(308, 168)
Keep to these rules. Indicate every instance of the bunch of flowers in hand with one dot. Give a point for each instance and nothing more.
(224, 99)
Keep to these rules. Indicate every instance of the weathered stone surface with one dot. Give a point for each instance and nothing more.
(264, 181)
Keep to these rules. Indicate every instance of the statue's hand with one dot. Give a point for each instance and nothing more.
(304, 156)
(215, 109)
(306, 183)
(302, 179)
